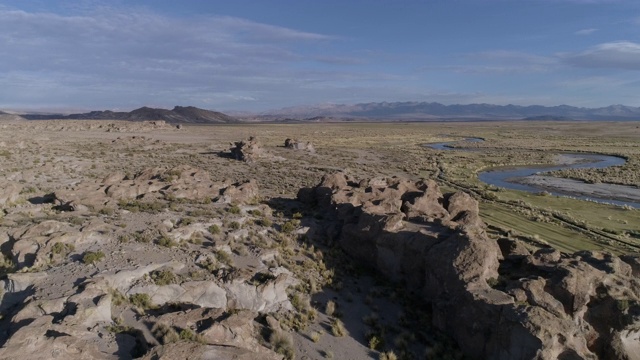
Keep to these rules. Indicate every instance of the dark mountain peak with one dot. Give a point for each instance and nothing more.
(179, 114)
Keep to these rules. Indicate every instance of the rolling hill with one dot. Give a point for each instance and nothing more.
(179, 114)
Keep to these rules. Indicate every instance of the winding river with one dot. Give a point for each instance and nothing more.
(531, 178)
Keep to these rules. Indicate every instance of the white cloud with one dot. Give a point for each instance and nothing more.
(613, 55)
(108, 57)
(585, 31)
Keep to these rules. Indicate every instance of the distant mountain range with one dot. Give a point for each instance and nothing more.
(379, 111)
(179, 114)
(437, 111)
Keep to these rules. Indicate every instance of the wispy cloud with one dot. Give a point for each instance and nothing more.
(103, 55)
(584, 32)
(499, 62)
(339, 60)
(613, 55)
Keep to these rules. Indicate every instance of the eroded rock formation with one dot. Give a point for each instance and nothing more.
(248, 150)
(499, 301)
(182, 182)
(299, 145)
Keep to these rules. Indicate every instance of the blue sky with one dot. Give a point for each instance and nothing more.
(259, 55)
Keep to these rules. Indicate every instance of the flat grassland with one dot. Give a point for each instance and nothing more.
(390, 149)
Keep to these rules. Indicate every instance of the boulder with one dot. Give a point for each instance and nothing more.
(9, 192)
(249, 150)
(299, 145)
(241, 193)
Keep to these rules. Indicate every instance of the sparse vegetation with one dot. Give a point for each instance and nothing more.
(91, 257)
(60, 248)
(139, 206)
(330, 308)
(214, 229)
(337, 328)
(164, 333)
(141, 300)
(288, 227)
(282, 343)
(224, 257)
(388, 355)
(163, 277)
(166, 241)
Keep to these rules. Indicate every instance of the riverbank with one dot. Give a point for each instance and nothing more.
(618, 193)
(529, 178)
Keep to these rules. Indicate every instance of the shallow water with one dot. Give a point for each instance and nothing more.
(507, 177)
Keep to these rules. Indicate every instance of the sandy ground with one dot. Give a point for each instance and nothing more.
(613, 191)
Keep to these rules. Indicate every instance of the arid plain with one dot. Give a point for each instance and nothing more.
(126, 240)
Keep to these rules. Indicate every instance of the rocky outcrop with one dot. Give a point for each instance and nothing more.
(223, 314)
(299, 145)
(182, 182)
(499, 301)
(223, 337)
(9, 192)
(249, 150)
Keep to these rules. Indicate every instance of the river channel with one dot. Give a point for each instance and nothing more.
(532, 178)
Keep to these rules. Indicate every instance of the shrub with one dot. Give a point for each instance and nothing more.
(188, 335)
(163, 277)
(164, 333)
(374, 342)
(106, 211)
(622, 305)
(210, 264)
(330, 308)
(337, 328)
(214, 229)
(186, 221)
(6, 265)
(224, 257)
(300, 302)
(143, 237)
(141, 300)
(137, 206)
(92, 257)
(117, 298)
(234, 210)
(60, 248)
(196, 238)
(288, 227)
(166, 241)
(315, 336)
(389, 355)
(282, 344)
(120, 329)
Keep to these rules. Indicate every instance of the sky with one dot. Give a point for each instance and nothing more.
(261, 55)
